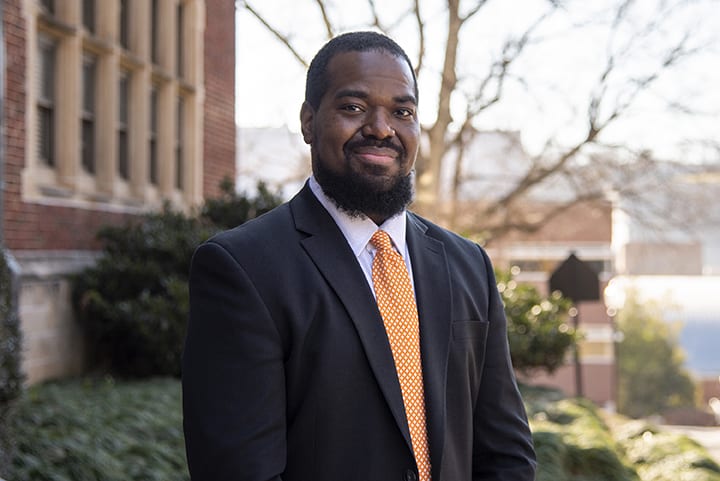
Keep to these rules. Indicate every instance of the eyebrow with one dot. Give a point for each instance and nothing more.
(360, 94)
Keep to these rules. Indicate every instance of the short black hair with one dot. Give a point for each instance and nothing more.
(316, 83)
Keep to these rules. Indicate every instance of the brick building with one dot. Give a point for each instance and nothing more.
(112, 107)
(584, 230)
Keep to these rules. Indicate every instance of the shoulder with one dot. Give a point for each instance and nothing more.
(263, 230)
(453, 242)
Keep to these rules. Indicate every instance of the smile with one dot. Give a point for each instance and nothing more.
(376, 155)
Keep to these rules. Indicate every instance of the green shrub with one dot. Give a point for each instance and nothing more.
(98, 430)
(665, 456)
(134, 302)
(652, 378)
(232, 209)
(10, 339)
(538, 329)
(550, 450)
(11, 377)
(573, 443)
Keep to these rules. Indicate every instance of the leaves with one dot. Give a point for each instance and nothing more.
(11, 376)
(98, 429)
(538, 329)
(652, 377)
(134, 302)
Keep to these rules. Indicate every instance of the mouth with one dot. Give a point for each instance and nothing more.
(376, 155)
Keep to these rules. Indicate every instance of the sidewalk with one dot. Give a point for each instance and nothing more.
(708, 437)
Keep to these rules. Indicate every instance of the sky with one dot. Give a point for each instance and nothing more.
(558, 71)
(689, 303)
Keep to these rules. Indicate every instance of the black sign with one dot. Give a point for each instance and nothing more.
(576, 280)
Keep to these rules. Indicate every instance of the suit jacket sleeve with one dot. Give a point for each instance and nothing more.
(503, 449)
(232, 377)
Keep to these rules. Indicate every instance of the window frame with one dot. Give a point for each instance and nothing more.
(123, 124)
(45, 100)
(88, 114)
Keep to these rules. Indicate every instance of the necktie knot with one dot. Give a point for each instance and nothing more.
(381, 240)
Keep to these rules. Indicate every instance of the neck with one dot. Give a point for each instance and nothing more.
(378, 219)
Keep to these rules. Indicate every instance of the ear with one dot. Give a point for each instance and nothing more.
(307, 115)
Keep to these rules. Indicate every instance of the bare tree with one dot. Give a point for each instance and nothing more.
(587, 167)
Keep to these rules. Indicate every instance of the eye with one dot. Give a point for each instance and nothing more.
(351, 108)
(404, 113)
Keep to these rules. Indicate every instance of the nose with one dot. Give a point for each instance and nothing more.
(378, 125)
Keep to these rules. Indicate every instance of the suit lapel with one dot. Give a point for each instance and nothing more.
(328, 249)
(432, 288)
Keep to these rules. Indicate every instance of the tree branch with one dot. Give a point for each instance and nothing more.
(376, 18)
(498, 72)
(285, 40)
(421, 37)
(326, 19)
(480, 4)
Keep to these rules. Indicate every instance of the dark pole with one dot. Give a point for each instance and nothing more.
(575, 315)
(578, 282)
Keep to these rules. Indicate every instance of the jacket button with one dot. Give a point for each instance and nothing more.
(410, 475)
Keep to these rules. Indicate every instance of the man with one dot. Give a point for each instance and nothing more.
(311, 354)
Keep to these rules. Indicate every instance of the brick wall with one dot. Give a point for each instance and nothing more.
(14, 118)
(219, 132)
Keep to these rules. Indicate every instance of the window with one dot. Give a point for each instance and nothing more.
(549, 265)
(122, 126)
(179, 46)
(536, 265)
(599, 265)
(45, 101)
(153, 159)
(48, 6)
(114, 103)
(88, 15)
(179, 164)
(88, 115)
(154, 31)
(124, 25)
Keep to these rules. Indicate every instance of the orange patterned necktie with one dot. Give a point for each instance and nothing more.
(396, 302)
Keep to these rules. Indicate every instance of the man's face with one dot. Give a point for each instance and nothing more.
(365, 133)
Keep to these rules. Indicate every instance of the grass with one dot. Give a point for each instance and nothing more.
(92, 430)
(100, 429)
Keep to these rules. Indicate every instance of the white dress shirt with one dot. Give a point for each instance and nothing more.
(359, 230)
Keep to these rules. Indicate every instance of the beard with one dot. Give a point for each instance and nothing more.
(361, 194)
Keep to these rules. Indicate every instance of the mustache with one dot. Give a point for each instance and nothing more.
(377, 143)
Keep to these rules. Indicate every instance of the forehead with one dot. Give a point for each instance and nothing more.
(374, 71)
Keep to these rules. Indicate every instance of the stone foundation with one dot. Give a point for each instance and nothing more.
(53, 343)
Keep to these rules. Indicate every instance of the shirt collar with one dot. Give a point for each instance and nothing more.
(359, 230)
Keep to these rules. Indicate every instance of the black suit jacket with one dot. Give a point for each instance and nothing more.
(288, 374)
